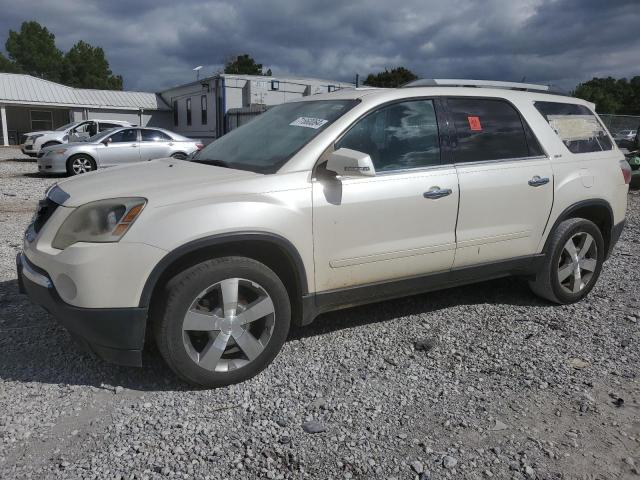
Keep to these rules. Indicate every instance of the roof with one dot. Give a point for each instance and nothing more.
(389, 94)
(27, 90)
(268, 78)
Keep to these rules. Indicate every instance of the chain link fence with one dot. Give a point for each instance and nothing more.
(616, 123)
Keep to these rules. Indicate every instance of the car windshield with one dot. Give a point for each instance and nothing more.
(99, 136)
(66, 126)
(271, 139)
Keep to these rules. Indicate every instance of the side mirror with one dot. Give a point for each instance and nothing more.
(351, 163)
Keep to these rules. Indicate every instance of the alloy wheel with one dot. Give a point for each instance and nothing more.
(81, 165)
(228, 325)
(578, 262)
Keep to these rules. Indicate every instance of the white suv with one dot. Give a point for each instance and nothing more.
(331, 201)
(69, 133)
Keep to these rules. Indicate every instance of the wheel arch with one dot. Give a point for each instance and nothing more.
(50, 143)
(276, 252)
(598, 211)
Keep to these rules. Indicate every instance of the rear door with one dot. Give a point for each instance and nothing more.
(154, 144)
(121, 148)
(506, 181)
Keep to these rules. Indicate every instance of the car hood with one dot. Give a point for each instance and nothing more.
(40, 132)
(160, 181)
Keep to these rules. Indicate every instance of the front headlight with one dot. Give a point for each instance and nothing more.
(59, 151)
(33, 137)
(103, 221)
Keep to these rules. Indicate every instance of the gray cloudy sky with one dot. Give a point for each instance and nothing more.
(155, 43)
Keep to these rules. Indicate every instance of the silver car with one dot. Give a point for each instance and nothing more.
(118, 146)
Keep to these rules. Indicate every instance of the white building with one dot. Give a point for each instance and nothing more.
(208, 108)
(29, 103)
(205, 109)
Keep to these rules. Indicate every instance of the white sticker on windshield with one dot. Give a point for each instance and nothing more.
(309, 122)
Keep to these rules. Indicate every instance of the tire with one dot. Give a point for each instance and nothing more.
(80, 163)
(558, 280)
(207, 348)
(179, 156)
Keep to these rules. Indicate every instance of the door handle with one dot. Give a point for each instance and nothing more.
(538, 181)
(437, 192)
(133, 145)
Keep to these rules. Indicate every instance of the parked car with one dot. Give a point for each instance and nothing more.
(71, 132)
(118, 146)
(327, 202)
(625, 135)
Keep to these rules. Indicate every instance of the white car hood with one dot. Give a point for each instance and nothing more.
(41, 132)
(160, 181)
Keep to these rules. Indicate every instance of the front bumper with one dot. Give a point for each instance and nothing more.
(53, 164)
(31, 153)
(114, 334)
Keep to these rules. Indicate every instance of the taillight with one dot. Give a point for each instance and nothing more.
(626, 171)
(199, 146)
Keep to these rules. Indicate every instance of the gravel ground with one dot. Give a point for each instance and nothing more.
(502, 385)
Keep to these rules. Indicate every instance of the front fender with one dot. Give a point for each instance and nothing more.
(283, 215)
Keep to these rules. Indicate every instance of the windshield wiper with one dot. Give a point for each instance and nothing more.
(215, 163)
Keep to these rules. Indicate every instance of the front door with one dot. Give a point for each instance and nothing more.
(392, 225)
(121, 148)
(83, 131)
(506, 182)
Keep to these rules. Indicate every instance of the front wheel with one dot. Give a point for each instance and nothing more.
(224, 320)
(79, 164)
(573, 262)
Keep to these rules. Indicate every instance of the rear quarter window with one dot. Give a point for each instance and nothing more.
(576, 125)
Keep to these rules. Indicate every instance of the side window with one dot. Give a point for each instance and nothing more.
(397, 137)
(175, 113)
(203, 109)
(576, 125)
(128, 135)
(487, 129)
(154, 136)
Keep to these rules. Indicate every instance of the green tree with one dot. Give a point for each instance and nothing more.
(7, 66)
(390, 78)
(614, 96)
(33, 50)
(244, 65)
(85, 66)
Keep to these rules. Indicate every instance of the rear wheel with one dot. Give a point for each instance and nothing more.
(223, 322)
(79, 164)
(573, 262)
(179, 156)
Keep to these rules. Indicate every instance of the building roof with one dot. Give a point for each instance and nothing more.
(267, 78)
(27, 90)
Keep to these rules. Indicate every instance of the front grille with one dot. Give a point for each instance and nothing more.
(46, 208)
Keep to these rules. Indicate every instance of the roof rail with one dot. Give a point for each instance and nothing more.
(453, 82)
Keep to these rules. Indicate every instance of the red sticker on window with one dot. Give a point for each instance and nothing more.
(474, 123)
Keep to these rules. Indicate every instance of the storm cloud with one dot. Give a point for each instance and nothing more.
(155, 44)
